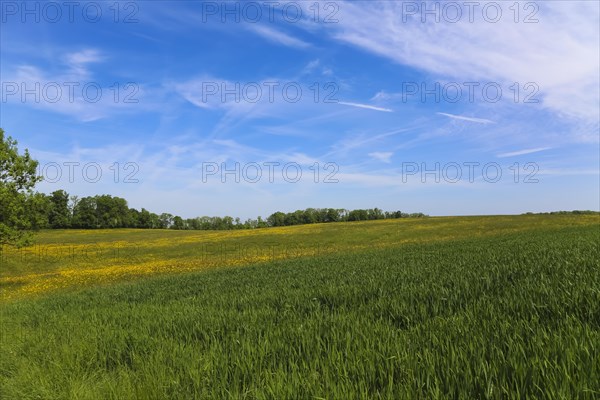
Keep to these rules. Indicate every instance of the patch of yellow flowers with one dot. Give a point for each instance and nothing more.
(118, 255)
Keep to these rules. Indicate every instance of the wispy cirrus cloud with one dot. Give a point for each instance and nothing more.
(362, 141)
(78, 61)
(559, 51)
(311, 66)
(72, 89)
(279, 37)
(382, 156)
(469, 119)
(85, 56)
(365, 106)
(522, 152)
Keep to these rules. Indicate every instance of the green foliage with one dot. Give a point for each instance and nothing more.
(38, 207)
(59, 215)
(84, 213)
(105, 211)
(514, 315)
(147, 220)
(324, 215)
(178, 223)
(19, 209)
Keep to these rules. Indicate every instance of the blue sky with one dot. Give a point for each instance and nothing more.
(388, 89)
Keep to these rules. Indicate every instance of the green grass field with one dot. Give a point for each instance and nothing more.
(457, 307)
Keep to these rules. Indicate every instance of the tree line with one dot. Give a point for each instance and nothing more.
(58, 210)
(22, 210)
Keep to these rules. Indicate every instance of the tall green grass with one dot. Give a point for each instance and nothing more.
(516, 315)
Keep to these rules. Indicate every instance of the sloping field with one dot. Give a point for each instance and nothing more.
(457, 307)
(72, 258)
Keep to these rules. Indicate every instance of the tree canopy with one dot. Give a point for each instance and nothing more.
(21, 210)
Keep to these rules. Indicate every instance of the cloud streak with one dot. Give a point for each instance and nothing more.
(365, 106)
(522, 152)
(279, 37)
(469, 119)
(63, 99)
(382, 156)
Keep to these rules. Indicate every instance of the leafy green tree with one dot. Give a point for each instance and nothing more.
(260, 223)
(59, 215)
(144, 219)
(84, 213)
(154, 221)
(73, 200)
(294, 218)
(375, 213)
(17, 179)
(309, 216)
(227, 222)
(112, 212)
(166, 220)
(38, 207)
(333, 215)
(133, 219)
(193, 223)
(276, 219)
(178, 223)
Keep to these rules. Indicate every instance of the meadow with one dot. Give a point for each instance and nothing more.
(456, 307)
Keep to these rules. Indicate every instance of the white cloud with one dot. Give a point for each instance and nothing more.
(279, 37)
(210, 93)
(361, 141)
(366, 106)
(381, 96)
(311, 66)
(382, 156)
(78, 61)
(84, 57)
(51, 93)
(559, 53)
(72, 91)
(470, 119)
(522, 152)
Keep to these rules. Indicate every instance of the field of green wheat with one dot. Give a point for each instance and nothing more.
(496, 307)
